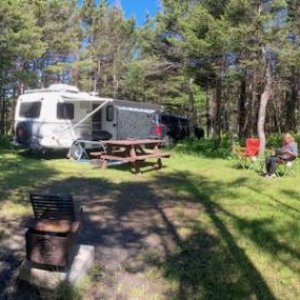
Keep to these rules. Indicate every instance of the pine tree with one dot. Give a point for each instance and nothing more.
(59, 22)
(108, 47)
(20, 44)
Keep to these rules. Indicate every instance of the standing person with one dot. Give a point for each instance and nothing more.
(288, 152)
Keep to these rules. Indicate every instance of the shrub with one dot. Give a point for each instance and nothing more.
(5, 142)
(275, 140)
(206, 147)
(211, 148)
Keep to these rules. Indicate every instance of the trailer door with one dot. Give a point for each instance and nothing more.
(96, 122)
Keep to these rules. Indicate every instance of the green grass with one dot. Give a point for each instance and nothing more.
(237, 234)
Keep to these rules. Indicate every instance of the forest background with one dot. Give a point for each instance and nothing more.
(231, 66)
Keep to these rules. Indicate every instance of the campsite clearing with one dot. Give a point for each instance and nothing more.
(196, 229)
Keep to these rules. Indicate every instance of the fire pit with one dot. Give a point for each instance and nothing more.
(51, 238)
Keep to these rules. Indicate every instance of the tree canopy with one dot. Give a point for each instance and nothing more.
(232, 66)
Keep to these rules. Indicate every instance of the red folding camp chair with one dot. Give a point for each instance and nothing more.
(248, 157)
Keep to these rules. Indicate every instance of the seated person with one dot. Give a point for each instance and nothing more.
(288, 152)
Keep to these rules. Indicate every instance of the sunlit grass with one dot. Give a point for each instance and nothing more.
(241, 243)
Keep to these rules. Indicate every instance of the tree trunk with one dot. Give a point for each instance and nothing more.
(75, 71)
(191, 107)
(291, 103)
(298, 102)
(114, 77)
(207, 115)
(251, 106)
(218, 101)
(212, 108)
(276, 104)
(97, 76)
(277, 117)
(215, 111)
(242, 111)
(2, 110)
(265, 97)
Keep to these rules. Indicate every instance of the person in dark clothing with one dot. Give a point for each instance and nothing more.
(288, 152)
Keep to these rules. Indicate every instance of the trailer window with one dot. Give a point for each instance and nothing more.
(65, 111)
(109, 113)
(30, 109)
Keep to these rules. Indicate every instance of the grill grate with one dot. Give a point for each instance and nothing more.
(53, 207)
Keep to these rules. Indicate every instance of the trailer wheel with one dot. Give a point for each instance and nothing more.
(23, 133)
(76, 151)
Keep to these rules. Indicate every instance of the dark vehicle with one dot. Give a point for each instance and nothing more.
(176, 128)
(173, 128)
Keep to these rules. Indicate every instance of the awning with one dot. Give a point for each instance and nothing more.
(83, 97)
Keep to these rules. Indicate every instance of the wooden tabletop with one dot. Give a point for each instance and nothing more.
(133, 142)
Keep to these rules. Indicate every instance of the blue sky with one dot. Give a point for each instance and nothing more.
(138, 8)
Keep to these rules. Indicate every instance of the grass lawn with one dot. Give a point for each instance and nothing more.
(197, 229)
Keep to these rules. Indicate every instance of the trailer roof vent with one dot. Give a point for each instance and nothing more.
(63, 88)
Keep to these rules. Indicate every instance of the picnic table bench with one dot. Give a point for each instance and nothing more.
(133, 152)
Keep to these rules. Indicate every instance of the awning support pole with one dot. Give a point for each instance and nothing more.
(86, 117)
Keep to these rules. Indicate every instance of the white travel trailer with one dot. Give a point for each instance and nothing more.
(55, 117)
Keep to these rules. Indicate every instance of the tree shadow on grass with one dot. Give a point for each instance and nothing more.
(216, 268)
(11, 256)
(121, 220)
(47, 155)
(136, 226)
(145, 167)
(292, 194)
(19, 175)
(271, 238)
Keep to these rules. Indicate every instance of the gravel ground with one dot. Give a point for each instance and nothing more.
(133, 230)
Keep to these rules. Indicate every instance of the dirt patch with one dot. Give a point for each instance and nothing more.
(134, 228)
(133, 233)
(11, 255)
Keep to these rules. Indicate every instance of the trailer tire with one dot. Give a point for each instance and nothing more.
(23, 133)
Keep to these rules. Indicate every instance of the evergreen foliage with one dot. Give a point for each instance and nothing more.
(229, 65)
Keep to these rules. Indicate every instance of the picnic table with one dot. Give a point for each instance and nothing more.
(133, 151)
